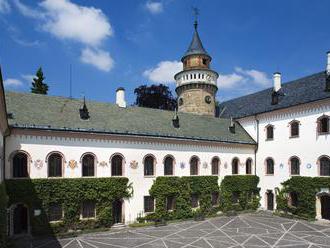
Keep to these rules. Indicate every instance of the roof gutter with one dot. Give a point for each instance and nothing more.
(132, 134)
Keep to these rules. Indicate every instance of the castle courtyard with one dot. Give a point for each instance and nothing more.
(246, 230)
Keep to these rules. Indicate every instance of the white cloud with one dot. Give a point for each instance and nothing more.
(164, 72)
(28, 11)
(98, 58)
(241, 77)
(154, 7)
(258, 77)
(27, 77)
(230, 80)
(12, 82)
(65, 20)
(4, 7)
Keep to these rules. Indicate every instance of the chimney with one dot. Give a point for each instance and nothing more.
(277, 81)
(327, 76)
(232, 125)
(328, 63)
(120, 97)
(175, 120)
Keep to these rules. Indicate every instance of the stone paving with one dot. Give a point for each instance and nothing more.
(248, 231)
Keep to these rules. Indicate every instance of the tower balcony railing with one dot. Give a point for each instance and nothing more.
(196, 76)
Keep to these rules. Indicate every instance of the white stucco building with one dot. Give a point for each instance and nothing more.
(276, 133)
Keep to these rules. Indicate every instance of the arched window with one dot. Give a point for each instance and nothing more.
(323, 124)
(55, 161)
(234, 166)
(248, 166)
(20, 165)
(269, 166)
(215, 166)
(294, 166)
(324, 166)
(149, 166)
(117, 165)
(294, 129)
(88, 165)
(270, 132)
(194, 161)
(168, 166)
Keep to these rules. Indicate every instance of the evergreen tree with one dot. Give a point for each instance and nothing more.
(38, 85)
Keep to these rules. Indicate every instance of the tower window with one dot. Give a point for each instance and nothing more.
(180, 101)
(208, 99)
(204, 61)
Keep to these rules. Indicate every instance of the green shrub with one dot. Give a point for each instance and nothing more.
(41, 193)
(306, 188)
(246, 188)
(182, 188)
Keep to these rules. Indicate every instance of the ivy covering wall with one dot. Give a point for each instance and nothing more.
(70, 193)
(306, 189)
(182, 188)
(239, 192)
(3, 215)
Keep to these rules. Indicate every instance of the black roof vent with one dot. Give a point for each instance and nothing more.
(84, 114)
(275, 96)
(10, 116)
(175, 120)
(232, 126)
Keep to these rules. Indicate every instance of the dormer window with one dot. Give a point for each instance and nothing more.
(294, 129)
(323, 124)
(270, 132)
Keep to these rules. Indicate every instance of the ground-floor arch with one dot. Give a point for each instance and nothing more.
(270, 200)
(323, 206)
(118, 211)
(19, 219)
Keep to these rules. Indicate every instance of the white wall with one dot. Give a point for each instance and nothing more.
(39, 146)
(308, 147)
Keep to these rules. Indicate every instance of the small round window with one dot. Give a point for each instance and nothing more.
(180, 101)
(208, 99)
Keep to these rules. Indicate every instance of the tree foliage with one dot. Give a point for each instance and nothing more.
(38, 84)
(155, 96)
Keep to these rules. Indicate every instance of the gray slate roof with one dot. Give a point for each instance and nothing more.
(300, 91)
(196, 46)
(59, 113)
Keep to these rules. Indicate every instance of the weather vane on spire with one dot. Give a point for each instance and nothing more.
(196, 13)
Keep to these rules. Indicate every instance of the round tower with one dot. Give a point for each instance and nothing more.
(196, 84)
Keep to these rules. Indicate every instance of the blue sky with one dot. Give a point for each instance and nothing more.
(128, 43)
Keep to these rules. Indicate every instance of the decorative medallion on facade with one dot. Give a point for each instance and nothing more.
(38, 164)
(309, 166)
(133, 164)
(182, 165)
(103, 164)
(205, 165)
(281, 165)
(73, 164)
(225, 165)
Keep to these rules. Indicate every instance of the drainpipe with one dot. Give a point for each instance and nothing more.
(256, 150)
(6, 134)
